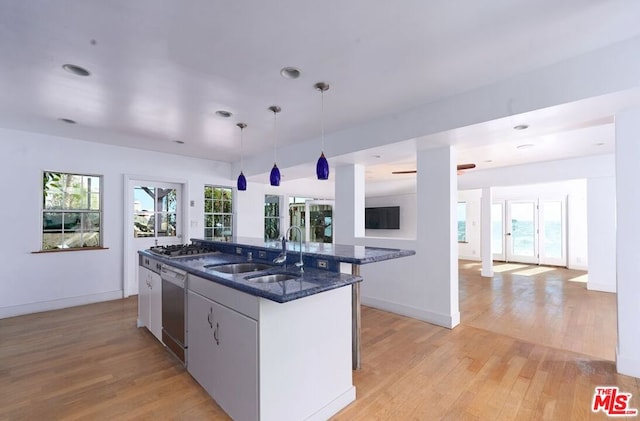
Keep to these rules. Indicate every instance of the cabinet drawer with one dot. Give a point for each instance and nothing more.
(239, 301)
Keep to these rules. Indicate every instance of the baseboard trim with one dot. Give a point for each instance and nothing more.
(41, 306)
(335, 405)
(601, 287)
(444, 320)
(627, 366)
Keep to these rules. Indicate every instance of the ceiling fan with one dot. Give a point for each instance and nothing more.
(461, 168)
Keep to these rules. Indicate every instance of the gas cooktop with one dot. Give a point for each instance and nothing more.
(181, 250)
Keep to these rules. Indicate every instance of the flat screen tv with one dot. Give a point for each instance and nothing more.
(382, 218)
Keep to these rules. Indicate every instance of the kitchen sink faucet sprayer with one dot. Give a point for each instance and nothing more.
(282, 257)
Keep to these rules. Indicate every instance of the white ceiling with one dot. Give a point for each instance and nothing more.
(160, 69)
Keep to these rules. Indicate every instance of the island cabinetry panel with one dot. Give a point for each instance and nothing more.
(150, 301)
(223, 355)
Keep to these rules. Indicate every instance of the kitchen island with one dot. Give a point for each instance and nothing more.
(272, 350)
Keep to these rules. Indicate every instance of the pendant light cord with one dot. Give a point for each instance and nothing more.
(322, 119)
(275, 136)
(241, 149)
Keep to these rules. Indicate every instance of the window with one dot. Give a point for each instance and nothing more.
(218, 212)
(155, 211)
(271, 217)
(462, 222)
(71, 211)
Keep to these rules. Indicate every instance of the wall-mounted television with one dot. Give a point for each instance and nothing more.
(382, 218)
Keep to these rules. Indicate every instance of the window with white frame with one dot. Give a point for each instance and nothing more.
(218, 212)
(71, 211)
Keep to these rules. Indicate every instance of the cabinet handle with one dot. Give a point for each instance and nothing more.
(215, 334)
(210, 317)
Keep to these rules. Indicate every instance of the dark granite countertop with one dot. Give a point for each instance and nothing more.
(311, 281)
(359, 255)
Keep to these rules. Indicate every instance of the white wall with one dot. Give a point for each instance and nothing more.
(627, 234)
(470, 250)
(35, 282)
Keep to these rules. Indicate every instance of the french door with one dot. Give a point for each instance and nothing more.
(530, 231)
(153, 217)
(315, 218)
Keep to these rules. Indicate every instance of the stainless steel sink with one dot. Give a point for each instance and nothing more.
(277, 277)
(239, 267)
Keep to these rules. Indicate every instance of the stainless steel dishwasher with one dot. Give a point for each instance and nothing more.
(174, 306)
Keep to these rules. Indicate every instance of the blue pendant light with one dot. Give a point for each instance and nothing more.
(322, 166)
(274, 177)
(242, 180)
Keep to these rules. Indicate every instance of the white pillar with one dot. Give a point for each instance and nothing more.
(349, 208)
(485, 232)
(601, 233)
(627, 235)
(437, 240)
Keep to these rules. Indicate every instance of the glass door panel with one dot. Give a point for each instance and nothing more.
(521, 232)
(320, 221)
(552, 238)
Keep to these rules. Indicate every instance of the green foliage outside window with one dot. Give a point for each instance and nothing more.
(218, 212)
(71, 211)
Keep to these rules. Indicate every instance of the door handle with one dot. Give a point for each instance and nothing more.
(508, 234)
(215, 334)
(210, 318)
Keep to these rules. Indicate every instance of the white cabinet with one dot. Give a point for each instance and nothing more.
(259, 359)
(150, 301)
(223, 355)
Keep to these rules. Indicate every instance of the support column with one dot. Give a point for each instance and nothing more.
(627, 235)
(349, 208)
(486, 232)
(437, 239)
(348, 223)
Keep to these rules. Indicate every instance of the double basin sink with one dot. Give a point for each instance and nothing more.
(246, 267)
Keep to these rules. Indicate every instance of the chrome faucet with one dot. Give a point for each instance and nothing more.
(282, 257)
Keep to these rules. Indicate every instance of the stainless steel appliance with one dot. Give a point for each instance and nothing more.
(180, 250)
(174, 305)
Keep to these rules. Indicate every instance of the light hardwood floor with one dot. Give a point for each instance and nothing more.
(532, 345)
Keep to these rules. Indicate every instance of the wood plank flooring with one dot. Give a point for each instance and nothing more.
(532, 345)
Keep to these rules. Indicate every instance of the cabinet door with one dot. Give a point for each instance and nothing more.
(202, 346)
(143, 296)
(155, 305)
(235, 385)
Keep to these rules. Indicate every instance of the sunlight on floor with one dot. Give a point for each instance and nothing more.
(469, 265)
(582, 278)
(507, 267)
(534, 271)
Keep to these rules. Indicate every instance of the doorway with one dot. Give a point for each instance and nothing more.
(153, 217)
(314, 217)
(530, 231)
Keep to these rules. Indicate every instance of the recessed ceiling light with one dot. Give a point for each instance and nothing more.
(600, 144)
(521, 127)
(376, 156)
(290, 72)
(67, 120)
(179, 142)
(76, 70)
(525, 146)
(224, 113)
